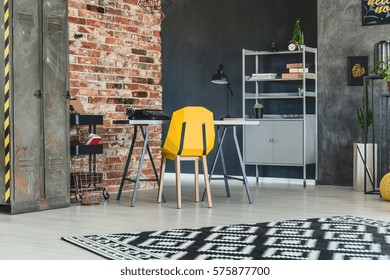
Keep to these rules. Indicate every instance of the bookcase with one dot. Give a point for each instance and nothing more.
(85, 177)
(285, 83)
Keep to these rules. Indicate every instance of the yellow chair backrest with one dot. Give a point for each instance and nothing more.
(195, 138)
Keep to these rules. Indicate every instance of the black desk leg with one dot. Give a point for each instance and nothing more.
(248, 192)
(150, 154)
(144, 148)
(219, 151)
(127, 162)
(151, 160)
(225, 176)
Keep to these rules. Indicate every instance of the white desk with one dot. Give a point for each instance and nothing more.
(222, 126)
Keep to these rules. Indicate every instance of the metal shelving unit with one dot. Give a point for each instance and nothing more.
(85, 179)
(280, 140)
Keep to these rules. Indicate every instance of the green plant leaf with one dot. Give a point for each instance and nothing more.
(296, 31)
(365, 124)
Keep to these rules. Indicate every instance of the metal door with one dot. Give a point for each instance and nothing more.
(27, 107)
(55, 109)
(40, 120)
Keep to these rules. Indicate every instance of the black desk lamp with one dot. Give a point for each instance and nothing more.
(221, 79)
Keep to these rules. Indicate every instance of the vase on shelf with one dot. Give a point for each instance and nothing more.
(258, 113)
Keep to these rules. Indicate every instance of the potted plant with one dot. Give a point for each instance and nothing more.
(298, 39)
(382, 68)
(258, 109)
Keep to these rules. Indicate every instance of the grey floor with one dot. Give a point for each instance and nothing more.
(38, 235)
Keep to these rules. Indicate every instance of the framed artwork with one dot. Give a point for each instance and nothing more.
(374, 13)
(357, 69)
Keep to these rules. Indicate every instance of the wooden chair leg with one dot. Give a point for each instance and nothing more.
(206, 181)
(178, 184)
(161, 182)
(196, 175)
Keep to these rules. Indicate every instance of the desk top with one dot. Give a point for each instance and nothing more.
(236, 122)
(140, 122)
(216, 122)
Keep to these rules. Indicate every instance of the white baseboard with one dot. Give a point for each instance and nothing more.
(187, 176)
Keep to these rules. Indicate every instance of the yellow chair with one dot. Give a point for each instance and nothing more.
(190, 136)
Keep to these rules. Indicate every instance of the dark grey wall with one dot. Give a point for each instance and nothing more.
(341, 34)
(199, 35)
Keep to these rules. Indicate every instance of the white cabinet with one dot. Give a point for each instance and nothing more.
(287, 134)
(277, 142)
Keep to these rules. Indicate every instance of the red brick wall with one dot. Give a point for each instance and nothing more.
(115, 63)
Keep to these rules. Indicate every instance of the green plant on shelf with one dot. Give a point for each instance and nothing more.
(258, 106)
(298, 35)
(296, 31)
(382, 68)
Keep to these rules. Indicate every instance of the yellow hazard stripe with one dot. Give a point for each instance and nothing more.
(7, 138)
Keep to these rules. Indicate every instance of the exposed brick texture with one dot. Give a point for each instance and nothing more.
(115, 63)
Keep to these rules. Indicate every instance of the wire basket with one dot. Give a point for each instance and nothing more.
(87, 187)
(86, 184)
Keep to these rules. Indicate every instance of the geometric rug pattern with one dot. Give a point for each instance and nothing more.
(331, 238)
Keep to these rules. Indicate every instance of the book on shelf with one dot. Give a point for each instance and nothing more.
(93, 139)
(298, 70)
(298, 75)
(295, 65)
(262, 76)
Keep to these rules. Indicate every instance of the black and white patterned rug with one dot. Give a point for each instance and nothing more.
(333, 238)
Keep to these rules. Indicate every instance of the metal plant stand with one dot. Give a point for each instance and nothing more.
(376, 173)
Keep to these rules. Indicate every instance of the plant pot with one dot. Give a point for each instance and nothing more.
(359, 168)
(258, 113)
(388, 86)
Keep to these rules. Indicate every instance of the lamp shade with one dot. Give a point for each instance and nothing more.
(220, 77)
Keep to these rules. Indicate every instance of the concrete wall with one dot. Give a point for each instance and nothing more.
(341, 34)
